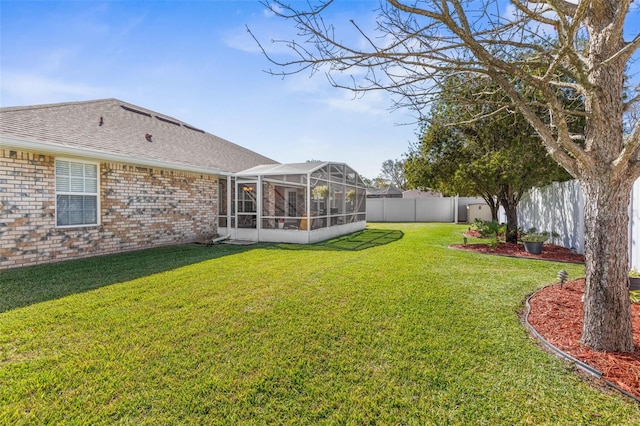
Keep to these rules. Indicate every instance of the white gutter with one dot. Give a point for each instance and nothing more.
(53, 148)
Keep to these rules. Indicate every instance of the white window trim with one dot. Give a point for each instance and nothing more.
(96, 194)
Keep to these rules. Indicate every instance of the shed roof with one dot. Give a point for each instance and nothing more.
(389, 192)
(110, 128)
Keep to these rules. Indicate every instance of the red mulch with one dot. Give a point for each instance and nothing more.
(556, 313)
(549, 251)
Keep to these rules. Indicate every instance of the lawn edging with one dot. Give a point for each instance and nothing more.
(560, 353)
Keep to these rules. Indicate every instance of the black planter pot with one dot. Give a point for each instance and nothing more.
(533, 247)
(634, 283)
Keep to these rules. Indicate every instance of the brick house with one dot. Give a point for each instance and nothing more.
(88, 178)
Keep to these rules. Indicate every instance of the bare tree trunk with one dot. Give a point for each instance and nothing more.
(511, 212)
(493, 207)
(606, 184)
(607, 310)
(510, 204)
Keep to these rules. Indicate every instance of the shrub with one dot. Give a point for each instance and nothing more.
(489, 229)
(535, 236)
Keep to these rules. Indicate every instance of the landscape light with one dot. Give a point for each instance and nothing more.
(562, 277)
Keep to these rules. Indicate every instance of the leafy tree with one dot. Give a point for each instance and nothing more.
(576, 46)
(480, 149)
(367, 182)
(393, 171)
(380, 182)
(436, 162)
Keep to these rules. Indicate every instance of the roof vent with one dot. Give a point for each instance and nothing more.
(193, 128)
(146, 114)
(166, 120)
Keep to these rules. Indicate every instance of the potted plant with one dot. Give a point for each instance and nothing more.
(533, 240)
(280, 222)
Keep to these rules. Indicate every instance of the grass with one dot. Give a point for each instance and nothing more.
(387, 326)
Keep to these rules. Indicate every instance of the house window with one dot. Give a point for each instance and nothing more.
(76, 193)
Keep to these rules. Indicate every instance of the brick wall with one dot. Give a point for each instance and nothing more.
(139, 207)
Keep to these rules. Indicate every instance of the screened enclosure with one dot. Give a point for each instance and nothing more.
(303, 202)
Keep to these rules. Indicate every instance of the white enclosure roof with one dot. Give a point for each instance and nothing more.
(324, 170)
(284, 169)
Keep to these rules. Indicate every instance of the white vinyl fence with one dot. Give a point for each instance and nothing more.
(559, 207)
(433, 209)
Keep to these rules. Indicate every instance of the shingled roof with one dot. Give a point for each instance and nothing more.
(110, 129)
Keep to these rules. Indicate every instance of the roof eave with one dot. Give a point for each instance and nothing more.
(57, 149)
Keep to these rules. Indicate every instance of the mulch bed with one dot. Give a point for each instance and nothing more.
(556, 313)
(549, 251)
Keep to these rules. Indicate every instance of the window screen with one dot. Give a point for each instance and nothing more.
(76, 193)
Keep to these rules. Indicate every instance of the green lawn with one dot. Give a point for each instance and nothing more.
(385, 327)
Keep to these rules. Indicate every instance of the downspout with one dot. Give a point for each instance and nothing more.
(308, 208)
(235, 205)
(230, 178)
(259, 206)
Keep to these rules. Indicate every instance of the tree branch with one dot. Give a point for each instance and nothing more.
(562, 6)
(629, 155)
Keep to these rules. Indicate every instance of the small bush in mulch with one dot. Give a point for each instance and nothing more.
(488, 229)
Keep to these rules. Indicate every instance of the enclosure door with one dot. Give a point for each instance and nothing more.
(291, 203)
(247, 205)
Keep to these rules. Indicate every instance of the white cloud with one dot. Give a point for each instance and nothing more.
(272, 10)
(238, 38)
(57, 58)
(26, 89)
(511, 13)
(371, 103)
(131, 25)
(317, 89)
(270, 37)
(305, 83)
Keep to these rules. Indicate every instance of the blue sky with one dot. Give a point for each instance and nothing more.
(195, 61)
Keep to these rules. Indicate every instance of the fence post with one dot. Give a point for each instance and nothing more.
(455, 210)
